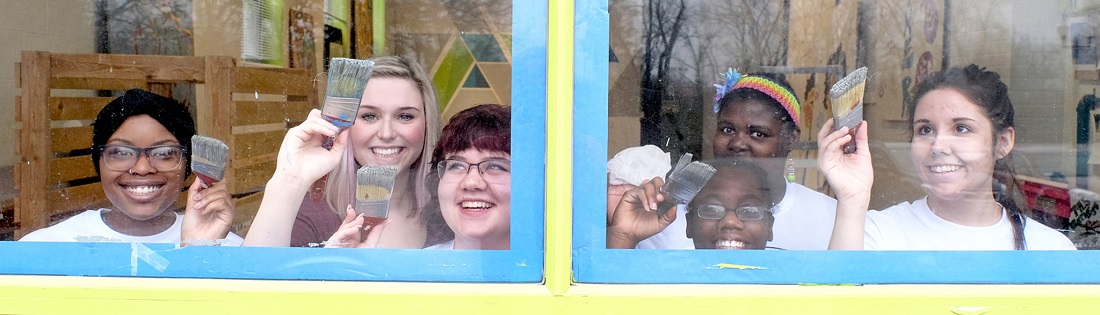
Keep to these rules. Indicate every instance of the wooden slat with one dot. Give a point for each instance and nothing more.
(34, 141)
(252, 113)
(75, 198)
(256, 159)
(76, 108)
(297, 111)
(18, 113)
(71, 168)
(98, 83)
(128, 67)
(251, 177)
(18, 75)
(254, 144)
(272, 81)
(68, 139)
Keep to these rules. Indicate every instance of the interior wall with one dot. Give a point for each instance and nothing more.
(59, 26)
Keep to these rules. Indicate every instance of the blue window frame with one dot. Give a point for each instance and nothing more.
(523, 263)
(593, 263)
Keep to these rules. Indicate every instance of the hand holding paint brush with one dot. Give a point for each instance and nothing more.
(209, 213)
(374, 187)
(847, 98)
(347, 79)
(208, 159)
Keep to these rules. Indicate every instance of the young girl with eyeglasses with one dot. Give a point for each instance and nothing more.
(141, 146)
(733, 210)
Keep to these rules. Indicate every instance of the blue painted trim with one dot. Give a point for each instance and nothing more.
(592, 263)
(524, 263)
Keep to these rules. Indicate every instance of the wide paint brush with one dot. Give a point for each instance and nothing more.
(347, 78)
(684, 182)
(847, 98)
(372, 192)
(208, 159)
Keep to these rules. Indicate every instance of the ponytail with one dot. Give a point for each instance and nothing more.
(1005, 187)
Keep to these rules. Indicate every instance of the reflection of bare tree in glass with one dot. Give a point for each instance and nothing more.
(144, 27)
(662, 23)
(715, 35)
(756, 31)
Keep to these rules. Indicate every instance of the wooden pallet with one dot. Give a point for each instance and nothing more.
(248, 108)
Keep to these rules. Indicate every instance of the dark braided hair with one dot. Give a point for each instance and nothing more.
(985, 89)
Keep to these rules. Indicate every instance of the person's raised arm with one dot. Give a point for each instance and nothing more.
(636, 217)
(850, 176)
(301, 162)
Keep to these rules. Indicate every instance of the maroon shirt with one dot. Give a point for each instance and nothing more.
(315, 222)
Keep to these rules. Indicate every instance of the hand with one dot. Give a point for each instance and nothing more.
(636, 218)
(850, 175)
(350, 233)
(614, 195)
(301, 155)
(209, 214)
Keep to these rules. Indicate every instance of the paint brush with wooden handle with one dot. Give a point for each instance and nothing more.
(847, 98)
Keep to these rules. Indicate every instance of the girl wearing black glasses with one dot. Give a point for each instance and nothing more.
(141, 152)
(732, 211)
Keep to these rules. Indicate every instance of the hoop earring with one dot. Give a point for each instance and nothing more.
(790, 170)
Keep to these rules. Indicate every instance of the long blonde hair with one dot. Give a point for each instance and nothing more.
(340, 189)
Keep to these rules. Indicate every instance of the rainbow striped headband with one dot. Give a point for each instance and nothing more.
(734, 80)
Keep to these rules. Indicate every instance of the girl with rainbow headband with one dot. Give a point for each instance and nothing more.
(758, 117)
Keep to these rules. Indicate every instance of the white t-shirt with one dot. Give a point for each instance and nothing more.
(803, 221)
(88, 226)
(913, 226)
(445, 245)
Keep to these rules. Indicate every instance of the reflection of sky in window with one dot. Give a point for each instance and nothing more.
(484, 47)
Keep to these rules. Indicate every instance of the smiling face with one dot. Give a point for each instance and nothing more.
(142, 192)
(731, 188)
(391, 124)
(749, 128)
(477, 207)
(954, 146)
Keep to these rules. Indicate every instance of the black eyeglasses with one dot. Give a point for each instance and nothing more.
(492, 170)
(716, 212)
(120, 157)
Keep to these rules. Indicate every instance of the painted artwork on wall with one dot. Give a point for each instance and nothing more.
(146, 27)
(303, 50)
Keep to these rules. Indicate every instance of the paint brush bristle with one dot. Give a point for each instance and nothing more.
(209, 157)
(684, 182)
(847, 100)
(373, 191)
(347, 78)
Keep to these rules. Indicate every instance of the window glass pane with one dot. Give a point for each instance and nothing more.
(244, 73)
(666, 57)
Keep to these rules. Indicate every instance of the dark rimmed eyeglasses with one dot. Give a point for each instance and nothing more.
(120, 157)
(492, 170)
(716, 212)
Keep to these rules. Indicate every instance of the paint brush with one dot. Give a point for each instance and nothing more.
(347, 78)
(372, 192)
(208, 159)
(847, 100)
(684, 182)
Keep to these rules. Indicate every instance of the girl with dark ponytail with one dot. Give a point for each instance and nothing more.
(963, 133)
